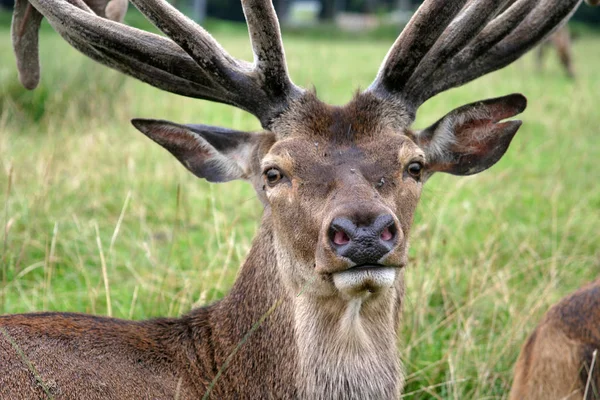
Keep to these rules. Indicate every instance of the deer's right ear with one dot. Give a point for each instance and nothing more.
(215, 154)
(471, 138)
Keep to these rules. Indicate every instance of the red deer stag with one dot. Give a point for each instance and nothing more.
(314, 312)
(25, 27)
(560, 358)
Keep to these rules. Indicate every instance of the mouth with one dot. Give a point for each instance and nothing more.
(365, 267)
(364, 279)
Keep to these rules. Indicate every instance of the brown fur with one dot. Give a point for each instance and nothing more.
(556, 359)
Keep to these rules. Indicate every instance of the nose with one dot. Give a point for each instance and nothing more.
(364, 243)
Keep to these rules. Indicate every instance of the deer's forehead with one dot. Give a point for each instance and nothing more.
(311, 155)
(364, 118)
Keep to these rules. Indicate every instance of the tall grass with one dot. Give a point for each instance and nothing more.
(92, 212)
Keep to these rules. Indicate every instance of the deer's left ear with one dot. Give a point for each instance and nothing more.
(471, 138)
(215, 154)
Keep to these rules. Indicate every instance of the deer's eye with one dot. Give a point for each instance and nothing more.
(414, 169)
(273, 176)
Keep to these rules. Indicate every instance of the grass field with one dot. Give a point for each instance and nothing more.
(96, 218)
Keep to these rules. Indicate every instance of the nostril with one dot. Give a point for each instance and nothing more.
(341, 232)
(387, 235)
(386, 228)
(340, 238)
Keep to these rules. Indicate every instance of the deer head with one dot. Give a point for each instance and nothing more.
(339, 185)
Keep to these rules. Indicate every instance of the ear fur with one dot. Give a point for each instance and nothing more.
(471, 139)
(215, 154)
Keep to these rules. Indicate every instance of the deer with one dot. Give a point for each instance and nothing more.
(25, 26)
(561, 41)
(315, 310)
(559, 360)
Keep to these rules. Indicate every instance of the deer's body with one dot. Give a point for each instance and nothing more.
(130, 360)
(561, 41)
(164, 357)
(556, 360)
(314, 312)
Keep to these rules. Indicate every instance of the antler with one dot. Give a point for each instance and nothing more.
(192, 63)
(25, 30)
(451, 42)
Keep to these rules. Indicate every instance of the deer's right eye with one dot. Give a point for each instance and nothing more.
(414, 169)
(273, 176)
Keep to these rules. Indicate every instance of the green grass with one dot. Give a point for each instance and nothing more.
(489, 254)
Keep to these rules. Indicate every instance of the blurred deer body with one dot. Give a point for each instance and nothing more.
(561, 41)
(315, 310)
(559, 359)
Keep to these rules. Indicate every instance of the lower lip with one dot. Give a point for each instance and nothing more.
(371, 278)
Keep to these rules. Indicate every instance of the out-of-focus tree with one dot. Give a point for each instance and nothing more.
(404, 5)
(7, 4)
(328, 10)
(200, 9)
(281, 8)
(231, 10)
(588, 15)
(370, 6)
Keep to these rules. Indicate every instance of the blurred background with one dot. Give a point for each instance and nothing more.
(346, 14)
(96, 218)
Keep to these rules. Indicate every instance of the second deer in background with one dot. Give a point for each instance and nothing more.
(560, 358)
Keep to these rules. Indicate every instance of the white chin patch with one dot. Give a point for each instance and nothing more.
(357, 282)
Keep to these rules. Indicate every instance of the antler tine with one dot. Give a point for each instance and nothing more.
(473, 18)
(193, 64)
(269, 55)
(473, 42)
(527, 23)
(268, 76)
(194, 40)
(423, 30)
(151, 58)
(24, 29)
(498, 29)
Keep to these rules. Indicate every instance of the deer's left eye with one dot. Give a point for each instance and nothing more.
(273, 176)
(415, 169)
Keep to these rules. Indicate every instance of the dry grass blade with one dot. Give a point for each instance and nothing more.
(27, 363)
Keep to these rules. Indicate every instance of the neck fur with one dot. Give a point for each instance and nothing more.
(330, 347)
(347, 349)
